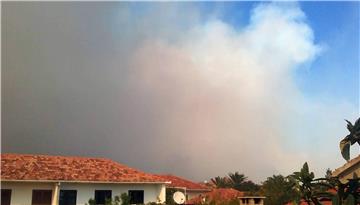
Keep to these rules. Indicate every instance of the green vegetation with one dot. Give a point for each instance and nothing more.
(236, 181)
(221, 182)
(279, 190)
(123, 199)
(169, 196)
(306, 184)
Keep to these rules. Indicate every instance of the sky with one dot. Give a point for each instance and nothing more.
(193, 89)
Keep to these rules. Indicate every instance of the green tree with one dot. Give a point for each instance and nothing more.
(236, 180)
(352, 138)
(169, 196)
(221, 182)
(250, 188)
(91, 201)
(278, 190)
(328, 173)
(346, 193)
(125, 199)
(305, 183)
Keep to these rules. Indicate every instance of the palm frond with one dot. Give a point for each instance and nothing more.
(345, 148)
(349, 126)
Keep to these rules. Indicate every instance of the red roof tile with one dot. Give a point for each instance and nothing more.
(181, 182)
(61, 168)
(217, 195)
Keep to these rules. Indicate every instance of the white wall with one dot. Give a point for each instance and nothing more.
(22, 191)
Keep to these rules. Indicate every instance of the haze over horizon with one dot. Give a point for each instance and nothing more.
(192, 89)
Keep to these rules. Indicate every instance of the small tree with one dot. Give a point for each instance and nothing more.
(116, 201)
(91, 201)
(125, 199)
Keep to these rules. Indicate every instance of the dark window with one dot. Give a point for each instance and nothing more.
(102, 195)
(5, 196)
(67, 197)
(41, 197)
(136, 196)
(257, 200)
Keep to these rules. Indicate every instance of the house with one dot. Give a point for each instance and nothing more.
(347, 171)
(61, 180)
(189, 188)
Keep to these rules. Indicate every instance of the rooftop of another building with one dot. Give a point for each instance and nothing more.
(178, 182)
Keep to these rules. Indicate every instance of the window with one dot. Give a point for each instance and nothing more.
(67, 197)
(102, 195)
(5, 196)
(257, 200)
(136, 196)
(41, 197)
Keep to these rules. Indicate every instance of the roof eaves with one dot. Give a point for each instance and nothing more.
(92, 182)
(349, 164)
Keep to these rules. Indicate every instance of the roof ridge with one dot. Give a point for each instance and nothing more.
(62, 156)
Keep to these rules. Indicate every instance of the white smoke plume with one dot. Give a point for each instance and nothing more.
(227, 99)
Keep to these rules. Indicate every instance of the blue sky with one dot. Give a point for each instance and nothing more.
(335, 72)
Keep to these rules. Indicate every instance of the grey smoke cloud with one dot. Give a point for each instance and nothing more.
(165, 91)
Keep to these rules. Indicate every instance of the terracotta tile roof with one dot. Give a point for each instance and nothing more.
(61, 168)
(181, 182)
(346, 166)
(217, 195)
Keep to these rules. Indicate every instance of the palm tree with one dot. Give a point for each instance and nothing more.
(237, 180)
(220, 182)
(352, 138)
